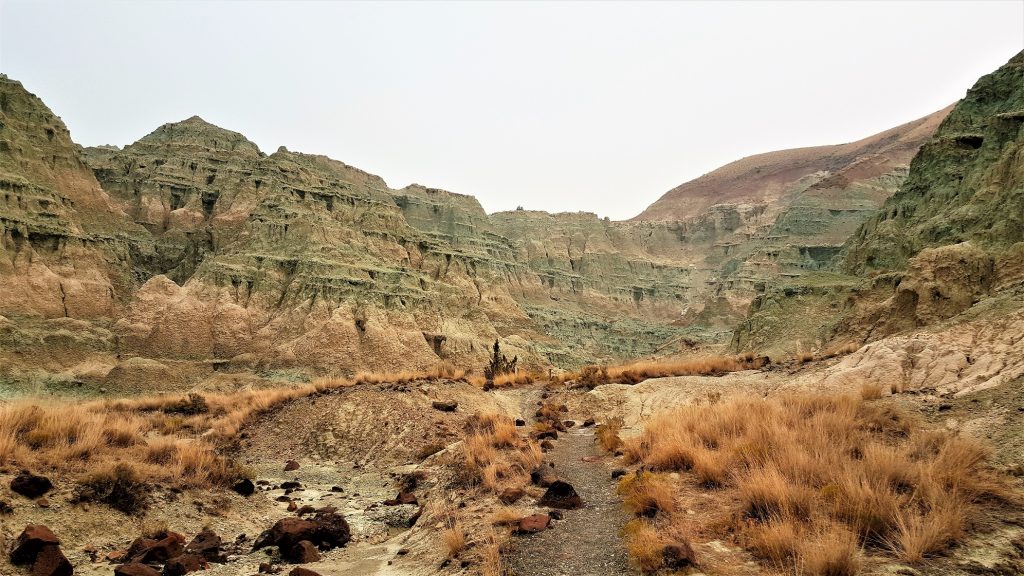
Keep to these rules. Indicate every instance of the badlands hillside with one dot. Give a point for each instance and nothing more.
(220, 361)
(191, 251)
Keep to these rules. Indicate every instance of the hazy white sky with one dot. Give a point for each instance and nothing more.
(555, 106)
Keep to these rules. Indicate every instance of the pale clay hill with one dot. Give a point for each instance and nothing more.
(193, 248)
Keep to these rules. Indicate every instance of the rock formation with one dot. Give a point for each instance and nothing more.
(191, 250)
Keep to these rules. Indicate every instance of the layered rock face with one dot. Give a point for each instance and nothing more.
(191, 250)
(66, 247)
(949, 238)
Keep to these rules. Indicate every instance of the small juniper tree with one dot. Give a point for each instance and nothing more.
(499, 364)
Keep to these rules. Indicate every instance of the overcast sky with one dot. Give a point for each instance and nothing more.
(571, 106)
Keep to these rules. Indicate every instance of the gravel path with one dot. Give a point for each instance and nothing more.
(588, 541)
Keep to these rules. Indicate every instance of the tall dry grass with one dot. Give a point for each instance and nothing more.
(819, 477)
(636, 372)
(167, 438)
(495, 455)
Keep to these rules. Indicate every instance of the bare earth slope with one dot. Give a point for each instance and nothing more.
(766, 177)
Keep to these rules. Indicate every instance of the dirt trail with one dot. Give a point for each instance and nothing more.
(588, 541)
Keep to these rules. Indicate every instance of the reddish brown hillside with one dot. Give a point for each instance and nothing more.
(766, 177)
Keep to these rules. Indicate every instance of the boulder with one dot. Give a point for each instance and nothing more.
(550, 434)
(30, 485)
(533, 524)
(207, 546)
(31, 540)
(135, 569)
(445, 405)
(5, 507)
(589, 422)
(245, 487)
(50, 561)
(300, 571)
(618, 473)
(326, 529)
(291, 465)
(303, 552)
(520, 422)
(181, 565)
(157, 551)
(561, 494)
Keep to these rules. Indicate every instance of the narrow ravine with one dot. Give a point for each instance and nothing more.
(588, 541)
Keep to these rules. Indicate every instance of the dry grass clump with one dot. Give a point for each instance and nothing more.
(491, 560)
(495, 455)
(818, 477)
(647, 494)
(636, 372)
(454, 538)
(608, 434)
(172, 439)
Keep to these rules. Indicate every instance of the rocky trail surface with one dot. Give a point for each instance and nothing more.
(588, 541)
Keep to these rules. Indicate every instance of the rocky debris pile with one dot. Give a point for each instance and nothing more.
(300, 540)
(166, 553)
(39, 548)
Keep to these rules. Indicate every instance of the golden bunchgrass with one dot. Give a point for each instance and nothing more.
(819, 477)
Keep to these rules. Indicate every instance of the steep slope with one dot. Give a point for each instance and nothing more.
(771, 177)
(966, 184)
(949, 239)
(66, 246)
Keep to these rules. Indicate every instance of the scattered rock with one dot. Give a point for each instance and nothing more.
(5, 507)
(326, 529)
(543, 476)
(267, 568)
(292, 506)
(547, 445)
(114, 556)
(511, 495)
(291, 485)
(300, 571)
(135, 569)
(245, 487)
(337, 489)
(402, 551)
(568, 423)
(50, 561)
(303, 552)
(520, 422)
(555, 514)
(445, 405)
(589, 422)
(561, 494)
(31, 540)
(619, 472)
(291, 465)
(181, 565)
(544, 434)
(30, 485)
(207, 545)
(533, 524)
(170, 545)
